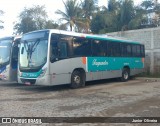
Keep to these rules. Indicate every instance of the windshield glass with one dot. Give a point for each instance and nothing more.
(5, 47)
(33, 50)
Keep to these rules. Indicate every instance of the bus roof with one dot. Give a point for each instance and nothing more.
(8, 37)
(11, 37)
(110, 38)
(95, 36)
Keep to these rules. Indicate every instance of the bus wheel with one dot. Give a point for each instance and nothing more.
(125, 75)
(77, 79)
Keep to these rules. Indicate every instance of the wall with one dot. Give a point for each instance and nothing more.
(151, 39)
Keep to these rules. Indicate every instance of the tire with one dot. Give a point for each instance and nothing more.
(77, 79)
(125, 75)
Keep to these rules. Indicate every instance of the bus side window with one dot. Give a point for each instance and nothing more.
(117, 51)
(96, 48)
(122, 50)
(109, 49)
(99, 48)
(142, 51)
(103, 48)
(134, 50)
(138, 51)
(63, 50)
(129, 50)
(114, 49)
(81, 47)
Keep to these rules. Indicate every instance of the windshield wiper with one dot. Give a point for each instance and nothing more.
(30, 48)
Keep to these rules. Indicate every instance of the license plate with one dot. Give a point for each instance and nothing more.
(27, 83)
(2, 76)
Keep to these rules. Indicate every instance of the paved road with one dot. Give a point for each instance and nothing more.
(107, 98)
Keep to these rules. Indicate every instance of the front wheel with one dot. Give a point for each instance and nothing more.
(125, 75)
(77, 79)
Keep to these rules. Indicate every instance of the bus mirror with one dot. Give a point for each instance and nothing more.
(22, 50)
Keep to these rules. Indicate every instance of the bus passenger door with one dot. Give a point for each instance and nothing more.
(14, 63)
(59, 66)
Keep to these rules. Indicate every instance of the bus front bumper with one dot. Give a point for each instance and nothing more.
(35, 81)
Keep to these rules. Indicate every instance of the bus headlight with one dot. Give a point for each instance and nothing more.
(43, 72)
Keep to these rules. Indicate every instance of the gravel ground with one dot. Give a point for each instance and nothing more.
(108, 98)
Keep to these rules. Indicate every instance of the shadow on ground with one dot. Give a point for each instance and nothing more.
(64, 87)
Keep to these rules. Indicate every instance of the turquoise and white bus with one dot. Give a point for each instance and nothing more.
(54, 57)
(9, 57)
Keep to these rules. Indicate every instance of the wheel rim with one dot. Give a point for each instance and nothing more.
(77, 79)
(126, 75)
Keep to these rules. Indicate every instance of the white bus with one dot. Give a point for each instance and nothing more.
(54, 57)
(9, 57)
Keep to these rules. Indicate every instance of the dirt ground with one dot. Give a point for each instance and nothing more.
(106, 98)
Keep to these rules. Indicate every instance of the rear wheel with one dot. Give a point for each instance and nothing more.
(77, 79)
(125, 75)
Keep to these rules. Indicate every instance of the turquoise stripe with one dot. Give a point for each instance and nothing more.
(31, 75)
(112, 63)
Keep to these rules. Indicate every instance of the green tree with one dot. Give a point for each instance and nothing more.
(146, 4)
(1, 22)
(151, 8)
(88, 9)
(103, 22)
(157, 11)
(31, 19)
(149, 13)
(107, 19)
(113, 6)
(99, 23)
(126, 13)
(114, 10)
(50, 24)
(72, 13)
(138, 20)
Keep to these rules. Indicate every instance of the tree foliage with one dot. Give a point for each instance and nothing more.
(71, 14)
(78, 15)
(147, 4)
(50, 24)
(123, 15)
(34, 18)
(85, 16)
(88, 9)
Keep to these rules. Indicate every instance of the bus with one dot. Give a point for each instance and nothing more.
(54, 57)
(9, 57)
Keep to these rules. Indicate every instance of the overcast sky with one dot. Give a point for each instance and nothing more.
(12, 9)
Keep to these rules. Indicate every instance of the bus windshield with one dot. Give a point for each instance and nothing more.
(33, 50)
(5, 47)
